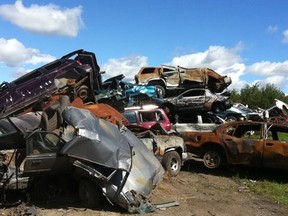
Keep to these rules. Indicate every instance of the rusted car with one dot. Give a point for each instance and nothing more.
(263, 144)
(97, 156)
(76, 74)
(169, 148)
(174, 80)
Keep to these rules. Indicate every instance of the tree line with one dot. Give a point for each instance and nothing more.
(256, 96)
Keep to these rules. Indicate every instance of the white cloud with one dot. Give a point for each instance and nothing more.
(268, 68)
(215, 57)
(48, 19)
(128, 66)
(13, 53)
(285, 36)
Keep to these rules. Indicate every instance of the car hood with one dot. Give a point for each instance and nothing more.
(97, 140)
(101, 142)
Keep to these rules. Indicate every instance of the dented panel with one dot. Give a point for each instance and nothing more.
(244, 142)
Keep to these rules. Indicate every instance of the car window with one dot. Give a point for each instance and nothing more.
(147, 70)
(159, 116)
(194, 93)
(131, 116)
(147, 116)
(277, 133)
(251, 131)
(43, 142)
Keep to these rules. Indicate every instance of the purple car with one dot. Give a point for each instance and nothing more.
(75, 77)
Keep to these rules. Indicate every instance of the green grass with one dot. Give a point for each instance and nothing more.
(277, 192)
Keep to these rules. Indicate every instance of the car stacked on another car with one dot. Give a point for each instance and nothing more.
(147, 116)
(170, 80)
(195, 100)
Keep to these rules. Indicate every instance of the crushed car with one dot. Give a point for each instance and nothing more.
(100, 157)
(171, 80)
(196, 100)
(76, 74)
(261, 144)
(120, 94)
(168, 148)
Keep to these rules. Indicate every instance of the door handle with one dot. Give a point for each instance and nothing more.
(269, 144)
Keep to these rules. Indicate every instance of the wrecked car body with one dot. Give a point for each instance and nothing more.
(168, 148)
(263, 144)
(120, 94)
(76, 76)
(100, 157)
(147, 117)
(196, 100)
(170, 79)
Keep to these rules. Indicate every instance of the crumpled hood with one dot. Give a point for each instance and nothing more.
(96, 140)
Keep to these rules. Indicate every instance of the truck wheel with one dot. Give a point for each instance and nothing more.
(82, 92)
(160, 90)
(172, 163)
(89, 193)
(48, 188)
(212, 158)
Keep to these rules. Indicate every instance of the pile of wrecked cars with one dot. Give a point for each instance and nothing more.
(62, 124)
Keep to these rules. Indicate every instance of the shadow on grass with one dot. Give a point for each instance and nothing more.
(239, 171)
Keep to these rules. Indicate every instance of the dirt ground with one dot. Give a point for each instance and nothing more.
(198, 191)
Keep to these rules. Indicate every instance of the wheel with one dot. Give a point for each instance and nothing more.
(89, 193)
(231, 118)
(82, 92)
(48, 188)
(160, 90)
(212, 158)
(172, 163)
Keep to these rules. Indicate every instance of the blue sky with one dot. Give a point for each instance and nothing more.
(247, 40)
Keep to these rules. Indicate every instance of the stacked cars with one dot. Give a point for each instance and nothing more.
(61, 123)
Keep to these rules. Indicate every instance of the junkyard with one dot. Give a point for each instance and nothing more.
(171, 143)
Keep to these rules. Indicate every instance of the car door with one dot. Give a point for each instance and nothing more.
(243, 143)
(276, 147)
(42, 152)
(192, 99)
(172, 78)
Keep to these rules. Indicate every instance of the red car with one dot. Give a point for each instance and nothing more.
(147, 117)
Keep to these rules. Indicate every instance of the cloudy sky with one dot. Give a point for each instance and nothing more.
(247, 40)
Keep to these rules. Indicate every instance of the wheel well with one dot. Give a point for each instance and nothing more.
(157, 82)
(214, 146)
(178, 150)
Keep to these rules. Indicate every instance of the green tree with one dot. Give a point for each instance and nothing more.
(254, 96)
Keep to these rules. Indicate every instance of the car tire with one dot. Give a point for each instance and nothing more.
(160, 90)
(89, 193)
(172, 163)
(48, 188)
(212, 158)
